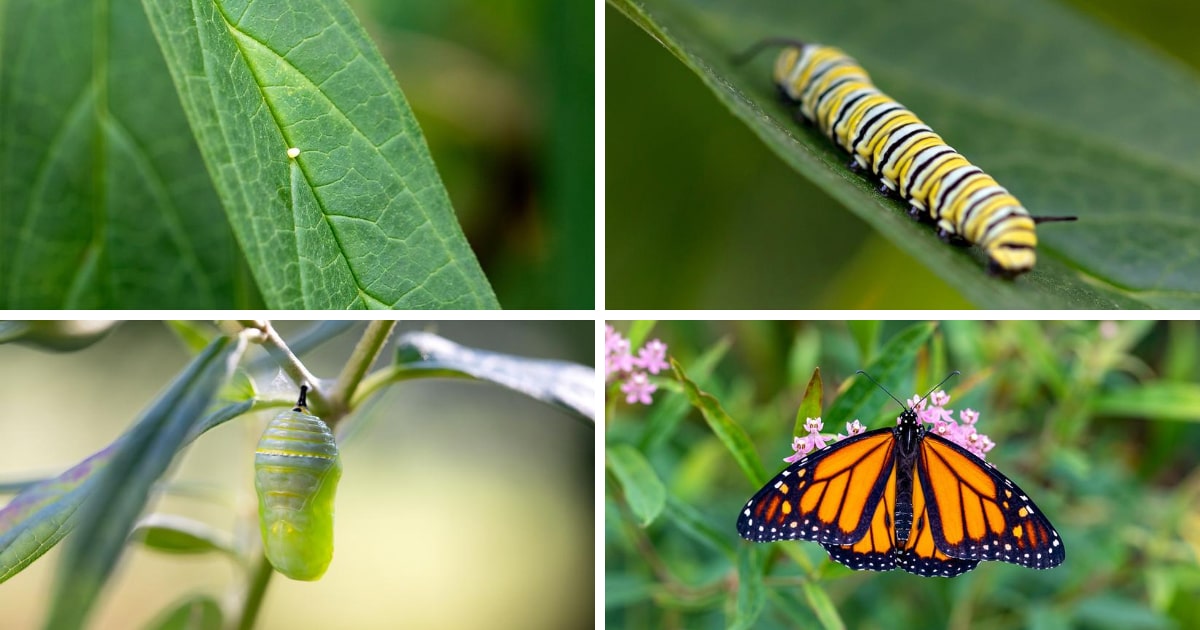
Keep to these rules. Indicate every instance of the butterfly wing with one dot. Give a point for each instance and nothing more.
(824, 497)
(921, 554)
(877, 551)
(976, 513)
(874, 551)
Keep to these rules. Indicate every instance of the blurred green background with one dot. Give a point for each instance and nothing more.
(504, 92)
(691, 189)
(462, 505)
(1098, 421)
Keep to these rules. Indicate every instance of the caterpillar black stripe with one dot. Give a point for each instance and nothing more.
(832, 91)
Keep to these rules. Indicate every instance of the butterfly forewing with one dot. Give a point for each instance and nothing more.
(979, 514)
(825, 496)
(874, 550)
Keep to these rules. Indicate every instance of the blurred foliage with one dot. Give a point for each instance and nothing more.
(1122, 488)
(687, 168)
(504, 93)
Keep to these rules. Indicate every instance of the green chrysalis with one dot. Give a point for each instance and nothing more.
(296, 470)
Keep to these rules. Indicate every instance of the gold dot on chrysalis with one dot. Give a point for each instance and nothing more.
(293, 153)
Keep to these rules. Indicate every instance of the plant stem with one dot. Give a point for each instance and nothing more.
(364, 355)
(257, 588)
(289, 362)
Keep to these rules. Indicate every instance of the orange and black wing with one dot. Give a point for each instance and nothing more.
(877, 551)
(976, 513)
(826, 497)
(921, 554)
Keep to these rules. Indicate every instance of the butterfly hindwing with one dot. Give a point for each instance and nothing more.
(976, 513)
(921, 554)
(825, 496)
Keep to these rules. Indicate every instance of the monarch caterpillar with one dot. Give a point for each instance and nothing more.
(966, 205)
(296, 470)
(903, 497)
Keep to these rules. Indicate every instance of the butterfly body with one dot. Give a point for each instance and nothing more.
(902, 497)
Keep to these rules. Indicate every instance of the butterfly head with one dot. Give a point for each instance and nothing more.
(909, 417)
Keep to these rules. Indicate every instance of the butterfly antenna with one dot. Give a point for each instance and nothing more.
(302, 404)
(902, 405)
(935, 387)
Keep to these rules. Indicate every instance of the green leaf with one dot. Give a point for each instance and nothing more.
(644, 491)
(639, 330)
(563, 384)
(197, 612)
(359, 217)
(810, 406)
(731, 434)
(820, 603)
(119, 491)
(665, 416)
(56, 335)
(178, 534)
(857, 402)
(1155, 401)
(1070, 119)
(696, 525)
(751, 594)
(102, 197)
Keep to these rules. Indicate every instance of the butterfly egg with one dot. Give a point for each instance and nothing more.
(293, 153)
(296, 471)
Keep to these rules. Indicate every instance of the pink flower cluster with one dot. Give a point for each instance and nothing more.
(961, 432)
(621, 365)
(932, 411)
(815, 441)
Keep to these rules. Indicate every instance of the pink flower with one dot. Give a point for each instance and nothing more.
(814, 441)
(637, 389)
(944, 425)
(852, 428)
(652, 357)
(621, 366)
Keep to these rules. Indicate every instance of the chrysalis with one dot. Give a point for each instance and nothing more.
(296, 470)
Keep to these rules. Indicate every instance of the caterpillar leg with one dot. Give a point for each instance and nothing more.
(996, 271)
(952, 238)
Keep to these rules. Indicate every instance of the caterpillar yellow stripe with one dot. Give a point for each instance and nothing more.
(296, 471)
(834, 93)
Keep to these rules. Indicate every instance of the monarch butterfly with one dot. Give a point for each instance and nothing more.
(835, 93)
(903, 497)
(296, 470)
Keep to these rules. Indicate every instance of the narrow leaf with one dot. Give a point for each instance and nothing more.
(119, 491)
(319, 162)
(643, 489)
(890, 368)
(1156, 401)
(810, 406)
(731, 434)
(177, 534)
(566, 385)
(45, 511)
(826, 612)
(751, 595)
(199, 612)
(695, 524)
(665, 416)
